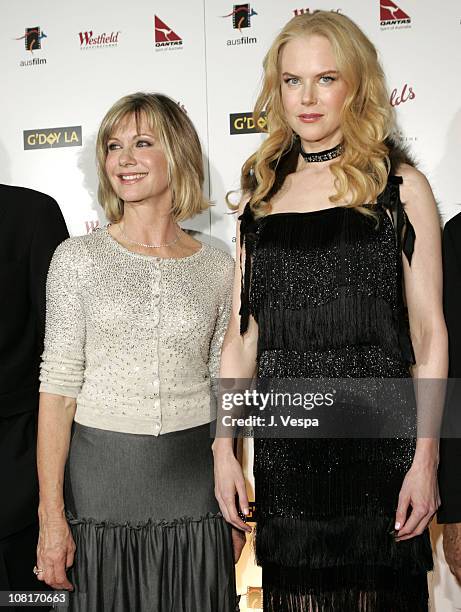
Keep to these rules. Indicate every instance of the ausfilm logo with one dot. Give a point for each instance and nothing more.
(33, 42)
(392, 17)
(89, 40)
(33, 38)
(165, 37)
(241, 16)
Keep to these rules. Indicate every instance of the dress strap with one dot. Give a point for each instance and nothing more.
(406, 237)
(390, 200)
(248, 228)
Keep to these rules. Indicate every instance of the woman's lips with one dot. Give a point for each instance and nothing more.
(130, 179)
(310, 117)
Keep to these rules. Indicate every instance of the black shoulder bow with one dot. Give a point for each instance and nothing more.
(248, 229)
(405, 234)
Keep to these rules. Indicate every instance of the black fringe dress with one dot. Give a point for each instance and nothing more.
(326, 290)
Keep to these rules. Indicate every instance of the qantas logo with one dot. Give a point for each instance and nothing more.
(165, 37)
(391, 14)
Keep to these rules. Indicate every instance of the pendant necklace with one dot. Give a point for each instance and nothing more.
(150, 246)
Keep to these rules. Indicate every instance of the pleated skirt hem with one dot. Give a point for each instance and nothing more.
(185, 565)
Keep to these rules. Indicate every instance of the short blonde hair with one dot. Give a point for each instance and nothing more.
(180, 144)
(367, 118)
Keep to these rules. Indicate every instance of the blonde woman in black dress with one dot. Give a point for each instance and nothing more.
(333, 216)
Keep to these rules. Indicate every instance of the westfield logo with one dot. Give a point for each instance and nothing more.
(89, 40)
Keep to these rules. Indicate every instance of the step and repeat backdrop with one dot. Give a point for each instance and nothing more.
(64, 64)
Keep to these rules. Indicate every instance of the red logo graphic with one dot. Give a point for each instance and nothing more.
(100, 40)
(163, 33)
(391, 12)
(406, 94)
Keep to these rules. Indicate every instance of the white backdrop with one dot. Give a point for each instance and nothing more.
(91, 53)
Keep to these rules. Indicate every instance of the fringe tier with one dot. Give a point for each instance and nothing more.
(350, 589)
(359, 541)
(347, 319)
(327, 478)
(352, 564)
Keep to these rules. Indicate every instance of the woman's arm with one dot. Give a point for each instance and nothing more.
(423, 292)
(55, 551)
(238, 361)
(61, 377)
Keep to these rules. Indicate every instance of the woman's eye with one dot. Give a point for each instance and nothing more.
(292, 81)
(143, 143)
(112, 146)
(327, 79)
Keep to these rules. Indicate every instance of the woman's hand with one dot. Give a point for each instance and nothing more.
(229, 481)
(55, 549)
(238, 543)
(420, 491)
(55, 552)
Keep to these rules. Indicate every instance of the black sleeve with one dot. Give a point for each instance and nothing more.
(50, 231)
(450, 447)
(452, 292)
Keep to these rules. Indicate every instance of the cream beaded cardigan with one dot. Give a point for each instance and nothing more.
(135, 339)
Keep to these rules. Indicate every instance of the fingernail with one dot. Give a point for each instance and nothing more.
(397, 526)
(246, 511)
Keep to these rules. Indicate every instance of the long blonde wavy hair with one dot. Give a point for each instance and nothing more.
(366, 119)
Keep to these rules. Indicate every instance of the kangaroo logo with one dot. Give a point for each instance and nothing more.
(163, 33)
(391, 12)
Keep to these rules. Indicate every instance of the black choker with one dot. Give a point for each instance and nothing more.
(322, 155)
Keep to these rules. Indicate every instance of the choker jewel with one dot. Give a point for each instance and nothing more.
(149, 246)
(322, 155)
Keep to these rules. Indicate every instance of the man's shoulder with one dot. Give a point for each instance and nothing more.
(453, 226)
(15, 199)
(29, 209)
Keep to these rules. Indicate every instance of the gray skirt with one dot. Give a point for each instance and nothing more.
(146, 524)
